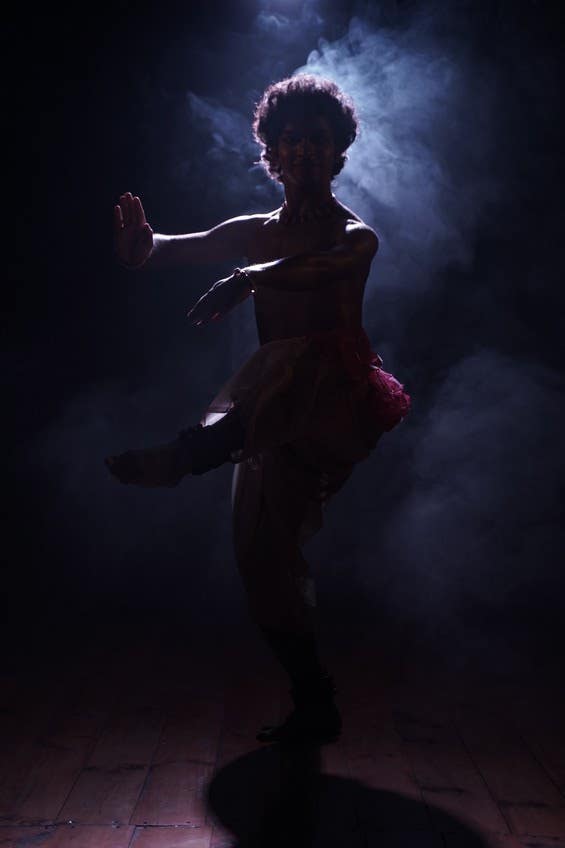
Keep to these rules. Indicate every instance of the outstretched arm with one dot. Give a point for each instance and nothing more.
(138, 246)
(353, 253)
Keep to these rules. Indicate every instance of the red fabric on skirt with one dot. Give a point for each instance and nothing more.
(388, 400)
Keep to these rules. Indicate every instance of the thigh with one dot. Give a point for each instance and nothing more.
(268, 517)
(288, 488)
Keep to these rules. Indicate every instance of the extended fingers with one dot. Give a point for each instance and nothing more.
(118, 220)
(209, 307)
(198, 315)
(131, 210)
(127, 207)
(195, 316)
(124, 206)
(201, 320)
(138, 212)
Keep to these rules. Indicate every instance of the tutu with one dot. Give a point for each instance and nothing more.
(388, 401)
(297, 387)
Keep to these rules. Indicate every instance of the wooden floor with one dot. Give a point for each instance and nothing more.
(137, 743)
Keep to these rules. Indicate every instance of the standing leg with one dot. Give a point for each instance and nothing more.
(274, 500)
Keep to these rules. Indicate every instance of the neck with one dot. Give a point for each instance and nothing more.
(304, 206)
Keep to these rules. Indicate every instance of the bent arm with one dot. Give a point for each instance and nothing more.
(228, 240)
(305, 271)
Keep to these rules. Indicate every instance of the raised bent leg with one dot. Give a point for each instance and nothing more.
(195, 451)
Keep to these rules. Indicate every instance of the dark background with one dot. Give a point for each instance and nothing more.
(451, 534)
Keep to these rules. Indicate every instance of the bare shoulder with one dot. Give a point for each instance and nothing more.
(355, 224)
(357, 235)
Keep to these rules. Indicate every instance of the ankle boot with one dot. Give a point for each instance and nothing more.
(162, 465)
(315, 717)
(195, 451)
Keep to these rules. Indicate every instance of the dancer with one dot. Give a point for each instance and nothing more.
(310, 403)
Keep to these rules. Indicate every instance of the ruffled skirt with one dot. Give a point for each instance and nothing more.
(324, 386)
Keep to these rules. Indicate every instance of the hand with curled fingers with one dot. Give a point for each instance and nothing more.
(223, 296)
(133, 237)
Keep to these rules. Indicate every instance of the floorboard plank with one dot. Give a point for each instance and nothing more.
(109, 785)
(130, 737)
(549, 750)
(498, 840)
(377, 761)
(404, 839)
(105, 795)
(541, 724)
(172, 837)
(529, 800)
(29, 710)
(191, 731)
(57, 763)
(173, 794)
(451, 785)
(18, 836)
(66, 836)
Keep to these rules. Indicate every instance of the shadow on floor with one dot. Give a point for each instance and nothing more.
(277, 796)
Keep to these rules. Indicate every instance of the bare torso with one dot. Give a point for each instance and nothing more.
(283, 314)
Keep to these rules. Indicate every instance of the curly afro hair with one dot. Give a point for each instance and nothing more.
(309, 94)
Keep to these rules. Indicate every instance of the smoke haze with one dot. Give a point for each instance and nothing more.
(460, 507)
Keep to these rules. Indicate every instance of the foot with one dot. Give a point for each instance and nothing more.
(163, 465)
(315, 717)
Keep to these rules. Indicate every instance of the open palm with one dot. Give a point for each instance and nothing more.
(133, 237)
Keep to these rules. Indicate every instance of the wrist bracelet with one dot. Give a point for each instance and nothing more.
(238, 273)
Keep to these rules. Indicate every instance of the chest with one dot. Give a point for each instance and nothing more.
(275, 241)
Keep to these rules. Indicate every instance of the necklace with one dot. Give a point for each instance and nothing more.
(322, 211)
